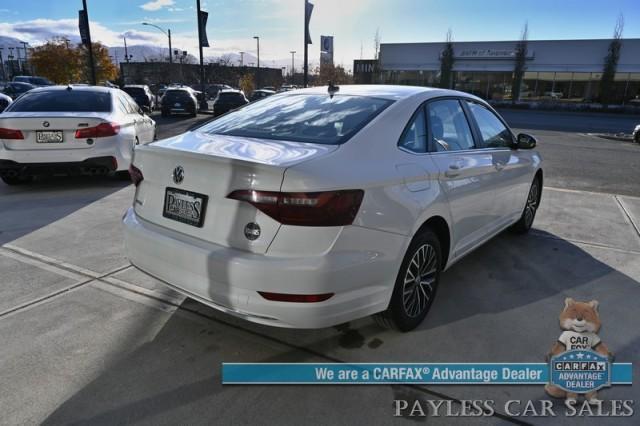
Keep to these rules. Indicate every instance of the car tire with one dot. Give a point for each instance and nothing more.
(637, 138)
(17, 180)
(416, 284)
(123, 175)
(525, 222)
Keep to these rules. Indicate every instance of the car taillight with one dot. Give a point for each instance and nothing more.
(100, 131)
(136, 175)
(10, 134)
(295, 298)
(330, 208)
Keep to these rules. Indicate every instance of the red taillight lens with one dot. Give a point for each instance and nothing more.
(331, 208)
(295, 298)
(136, 175)
(10, 134)
(100, 131)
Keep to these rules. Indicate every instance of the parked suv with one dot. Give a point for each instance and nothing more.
(179, 100)
(15, 89)
(228, 100)
(33, 79)
(142, 95)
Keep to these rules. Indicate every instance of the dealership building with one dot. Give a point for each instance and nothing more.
(567, 70)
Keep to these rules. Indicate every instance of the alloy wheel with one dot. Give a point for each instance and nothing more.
(532, 204)
(420, 281)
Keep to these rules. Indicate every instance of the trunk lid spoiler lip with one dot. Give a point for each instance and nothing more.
(267, 152)
(78, 115)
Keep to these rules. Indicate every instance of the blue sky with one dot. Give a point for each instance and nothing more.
(232, 24)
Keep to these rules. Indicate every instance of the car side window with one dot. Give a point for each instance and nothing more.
(122, 104)
(494, 133)
(450, 130)
(414, 137)
(132, 106)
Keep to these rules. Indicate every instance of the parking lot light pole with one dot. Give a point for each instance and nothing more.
(293, 68)
(168, 34)
(258, 70)
(2, 65)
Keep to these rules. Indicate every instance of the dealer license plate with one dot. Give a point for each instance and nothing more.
(49, 136)
(185, 206)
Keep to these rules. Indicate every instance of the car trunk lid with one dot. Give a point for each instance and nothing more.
(213, 166)
(48, 131)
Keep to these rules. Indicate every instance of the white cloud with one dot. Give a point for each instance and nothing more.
(157, 4)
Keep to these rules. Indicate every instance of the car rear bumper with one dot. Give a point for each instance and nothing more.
(63, 158)
(229, 280)
(90, 166)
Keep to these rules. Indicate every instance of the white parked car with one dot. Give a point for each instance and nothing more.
(70, 129)
(312, 208)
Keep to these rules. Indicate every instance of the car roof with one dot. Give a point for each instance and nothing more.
(229, 91)
(265, 90)
(384, 91)
(140, 86)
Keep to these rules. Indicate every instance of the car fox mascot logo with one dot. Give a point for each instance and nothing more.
(581, 323)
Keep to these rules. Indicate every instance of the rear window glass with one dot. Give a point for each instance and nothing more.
(176, 94)
(135, 91)
(230, 96)
(62, 101)
(301, 118)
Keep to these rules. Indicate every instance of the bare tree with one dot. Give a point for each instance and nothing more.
(376, 44)
(521, 59)
(446, 62)
(225, 60)
(611, 63)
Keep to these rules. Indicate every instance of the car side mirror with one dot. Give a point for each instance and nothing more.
(526, 141)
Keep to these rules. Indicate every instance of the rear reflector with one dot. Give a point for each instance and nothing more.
(136, 175)
(295, 298)
(10, 134)
(100, 131)
(330, 208)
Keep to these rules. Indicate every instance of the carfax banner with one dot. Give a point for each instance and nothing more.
(579, 376)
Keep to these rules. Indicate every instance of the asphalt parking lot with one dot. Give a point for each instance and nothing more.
(88, 339)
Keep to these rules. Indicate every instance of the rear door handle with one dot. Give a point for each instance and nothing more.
(454, 168)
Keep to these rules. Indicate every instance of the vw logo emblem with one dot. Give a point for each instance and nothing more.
(178, 174)
(45, 124)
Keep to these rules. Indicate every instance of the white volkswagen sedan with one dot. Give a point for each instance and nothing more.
(70, 129)
(315, 207)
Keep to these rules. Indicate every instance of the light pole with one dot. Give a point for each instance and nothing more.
(168, 34)
(293, 68)
(258, 70)
(4, 77)
(242, 59)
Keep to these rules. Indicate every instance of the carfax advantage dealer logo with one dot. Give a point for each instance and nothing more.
(580, 371)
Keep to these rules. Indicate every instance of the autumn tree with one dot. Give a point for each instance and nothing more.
(105, 69)
(333, 73)
(246, 84)
(58, 61)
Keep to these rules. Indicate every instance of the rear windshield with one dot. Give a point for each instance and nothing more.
(230, 96)
(176, 94)
(135, 91)
(301, 118)
(62, 101)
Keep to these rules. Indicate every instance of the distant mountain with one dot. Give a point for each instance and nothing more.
(151, 53)
(9, 42)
